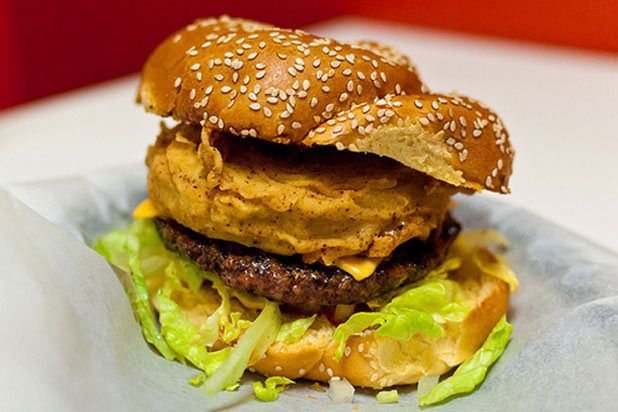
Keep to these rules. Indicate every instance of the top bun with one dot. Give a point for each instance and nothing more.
(287, 86)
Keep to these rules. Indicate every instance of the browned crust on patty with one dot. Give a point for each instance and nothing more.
(288, 279)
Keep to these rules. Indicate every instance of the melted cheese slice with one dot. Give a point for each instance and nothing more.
(359, 267)
(145, 210)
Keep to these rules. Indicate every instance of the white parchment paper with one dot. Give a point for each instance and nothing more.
(70, 342)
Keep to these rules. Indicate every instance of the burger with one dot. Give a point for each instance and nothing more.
(298, 219)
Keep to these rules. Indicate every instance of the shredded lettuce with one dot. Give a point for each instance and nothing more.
(472, 372)
(391, 396)
(197, 381)
(271, 389)
(179, 333)
(418, 309)
(495, 266)
(140, 250)
(291, 332)
(256, 339)
(234, 326)
(475, 244)
(123, 250)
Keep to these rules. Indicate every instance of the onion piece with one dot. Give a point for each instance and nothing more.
(340, 390)
(426, 384)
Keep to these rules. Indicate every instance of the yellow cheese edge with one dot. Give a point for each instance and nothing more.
(146, 210)
(360, 268)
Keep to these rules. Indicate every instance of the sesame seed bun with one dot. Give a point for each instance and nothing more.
(287, 86)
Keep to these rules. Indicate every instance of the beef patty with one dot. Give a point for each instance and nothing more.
(288, 279)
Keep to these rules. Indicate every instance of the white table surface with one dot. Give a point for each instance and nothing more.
(559, 105)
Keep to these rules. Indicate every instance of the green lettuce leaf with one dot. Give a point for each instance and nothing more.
(418, 309)
(391, 396)
(233, 327)
(123, 250)
(472, 372)
(197, 381)
(271, 389)
(291, 332)
(179, 333)
(256, 339)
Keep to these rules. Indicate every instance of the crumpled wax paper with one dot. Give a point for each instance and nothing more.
(70, 341)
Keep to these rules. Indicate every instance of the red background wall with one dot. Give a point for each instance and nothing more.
(49, 47)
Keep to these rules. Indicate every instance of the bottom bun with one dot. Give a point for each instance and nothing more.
(370, 360)
(375, 361)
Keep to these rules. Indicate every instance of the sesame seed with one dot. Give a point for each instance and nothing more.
(226, 89)
(195, 67)
(198, 76)
(313, 102)
(301, 371)
(321, 367)
(218, 77)
(292, 71)
(192, 94)
(272, 100)
(267, 112)
(296, 125)
(423, 121)
(280, 129)
(252, 56)
(255, 106)
(361, 75)
(338, 129)
(213, 119)
(418, 104)
(262, 45)
(330, 107)
(278, 368)
(329, 371)
(325, 89)
(177, 82)
(476, 132)
(260, 74)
